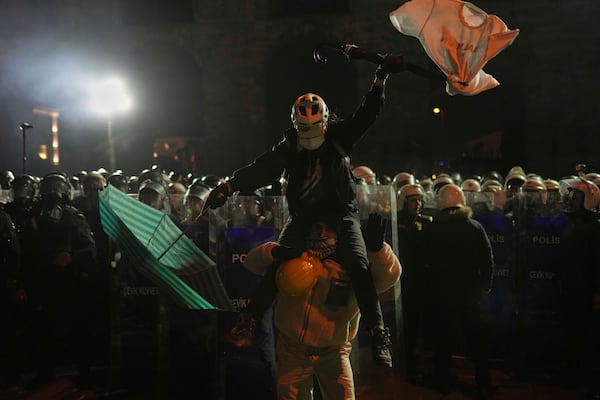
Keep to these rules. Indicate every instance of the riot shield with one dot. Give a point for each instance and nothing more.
(382, 200)
(502, 301)
(243, 223)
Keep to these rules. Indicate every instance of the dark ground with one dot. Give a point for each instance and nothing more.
(372, 383)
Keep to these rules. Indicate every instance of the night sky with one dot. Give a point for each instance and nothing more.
(52, 51)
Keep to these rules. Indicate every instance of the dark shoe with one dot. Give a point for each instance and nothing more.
(242, 333)
(381, 346)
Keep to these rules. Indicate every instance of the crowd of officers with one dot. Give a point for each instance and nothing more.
(56, 259)
(430, 311)
(59, 266)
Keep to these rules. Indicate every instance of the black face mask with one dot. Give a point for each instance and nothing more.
(52, 207)
(51, 212)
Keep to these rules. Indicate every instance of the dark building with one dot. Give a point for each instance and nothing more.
(225, 74)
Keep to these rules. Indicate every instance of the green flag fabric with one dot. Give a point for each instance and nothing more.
(160, 251)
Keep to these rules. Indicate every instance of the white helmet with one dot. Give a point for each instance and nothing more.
(491, 183)
(403, 178)
(593, 177)
(496, 195)
(534, 185)
(426, 184)
(450, 195)
(470, 185)
(516, 173)
(590, 191)
(535, 189)
(309, 116)
(365, 173)
(309, 109)
(411, 189)
(441, 181)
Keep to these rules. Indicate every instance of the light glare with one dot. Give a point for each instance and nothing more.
(110, 96)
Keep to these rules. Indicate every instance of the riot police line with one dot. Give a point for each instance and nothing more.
(524, 300)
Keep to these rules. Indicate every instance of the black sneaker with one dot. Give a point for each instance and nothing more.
(242, 333)
(381, 346)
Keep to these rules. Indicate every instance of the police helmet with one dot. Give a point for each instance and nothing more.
(55, 183)
(408, 190)
(23, 187)
(403, 178)
(152, 186)
(590, 191)
(450, 196)
(470, 185)
(93, 181)
(119, 181)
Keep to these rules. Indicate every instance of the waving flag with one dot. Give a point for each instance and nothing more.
(459, 37)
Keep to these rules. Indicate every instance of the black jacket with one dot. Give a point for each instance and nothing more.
(580, 265)
(326, 169)
(459, 254)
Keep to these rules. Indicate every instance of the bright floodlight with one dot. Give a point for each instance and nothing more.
(110, 96)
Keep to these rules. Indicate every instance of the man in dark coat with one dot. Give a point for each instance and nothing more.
(580, 281)
(461, 262)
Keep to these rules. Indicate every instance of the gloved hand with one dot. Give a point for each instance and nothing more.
(392, 64)
(218, 196)
(374, 232)
(282, 253)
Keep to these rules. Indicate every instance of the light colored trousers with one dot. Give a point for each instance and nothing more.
(297, 364)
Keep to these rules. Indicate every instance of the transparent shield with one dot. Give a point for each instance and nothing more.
(382, 200)
(243, 223)
(261, 213)
(480, 202)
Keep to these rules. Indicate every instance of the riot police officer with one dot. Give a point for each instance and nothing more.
(58, 267)
(10, 262)
(411, 225)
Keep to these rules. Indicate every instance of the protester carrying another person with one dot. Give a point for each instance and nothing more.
(315, 327)
(314, 157)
